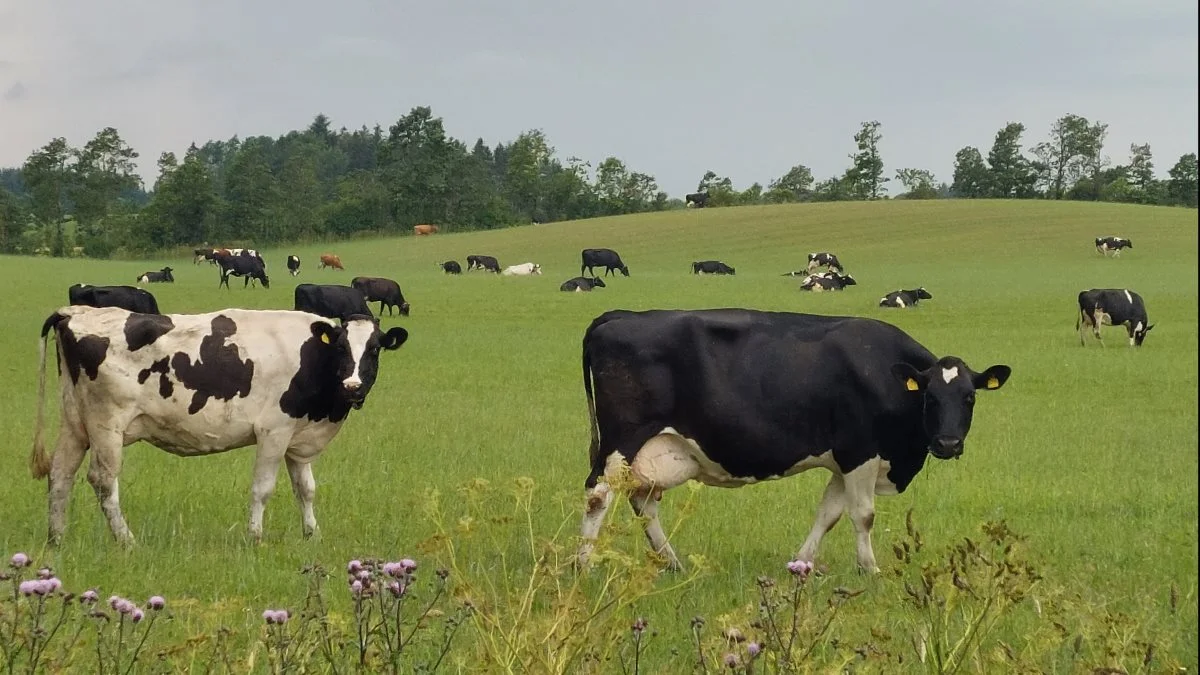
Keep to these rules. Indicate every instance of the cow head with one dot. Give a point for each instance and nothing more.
(1139, 333)
(924, 294)
(625, 270)
(354, 347)
(847, 280)
(947, 389)
(597, 282)
(404, 308)
(266, 281)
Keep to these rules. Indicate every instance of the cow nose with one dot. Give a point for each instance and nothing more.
(945, 447)
(352, 384)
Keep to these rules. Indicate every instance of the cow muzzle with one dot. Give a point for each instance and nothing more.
(945, 447)
(354, 392)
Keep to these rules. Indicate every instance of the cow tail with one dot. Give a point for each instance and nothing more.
(593, 425)
(39, 463)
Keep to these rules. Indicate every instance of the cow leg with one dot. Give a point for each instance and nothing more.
(599, 498)
(266, 468)
(102, 474)
(645, 504)
(68, 455)
(304, 486)
(833, 502)
(860, 502)
(663, 462)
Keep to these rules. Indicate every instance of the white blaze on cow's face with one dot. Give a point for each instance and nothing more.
(948, 374)
(359, 334)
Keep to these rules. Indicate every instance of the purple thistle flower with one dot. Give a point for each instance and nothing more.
(639, 626)
(156, 602)
(137, 615)
(398, 589)
(356, 588)
(89, 597)
(28, 588)
(800, 568)
(354, 566)
(753, 649)
(281, 616)
(363, 575)
(53, 584)
(114, 600)
(45, 573)
(408, 564)
(393, 569)
(19, 560)
(125, 606)
(731, 660)
(268, 615)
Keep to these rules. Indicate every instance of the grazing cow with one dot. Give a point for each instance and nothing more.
(582, 284)
(602, 257)
(824, 259)
(127, 297)
(162, 276)
(451, 267)
(330, 260)
(1115, 307)
(422, 230)
(204, 383)
(711, 267)
(522, 270)
(385, 291)
(208, 254)
(293, 265)
(250, 268)
(1114, 244)
(833, 282)
(331, 301)
(483, 262)
(696, 199)
(729, 397)
(903, 298)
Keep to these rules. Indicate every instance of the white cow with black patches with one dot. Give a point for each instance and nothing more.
(199, 384)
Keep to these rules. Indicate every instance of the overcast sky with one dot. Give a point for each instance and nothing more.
(673, 88)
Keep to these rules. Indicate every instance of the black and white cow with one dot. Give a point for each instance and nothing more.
(582, 284)
(730, 397)
(824, 259)
(293, 265)
(199, 384)
(711, 267)
(248, 267)
(331, 301)
(384, 291)
(199, 254)
(833, 282)
(1115, 307)
(696, 199)
(1114, 244)
(159, 277)
(904, 298)
(451, 267)
(127, 297)
(601, 257)
(483, 262)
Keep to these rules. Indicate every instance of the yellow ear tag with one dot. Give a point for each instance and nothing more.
(912, 385)
(993, 383)
(325, 338)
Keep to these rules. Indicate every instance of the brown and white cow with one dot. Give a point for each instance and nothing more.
(420, 230)
(199, 384)
(330, 260)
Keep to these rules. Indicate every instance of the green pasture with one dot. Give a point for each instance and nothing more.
(1090, 452)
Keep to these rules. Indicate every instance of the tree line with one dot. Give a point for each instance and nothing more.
(318, 183)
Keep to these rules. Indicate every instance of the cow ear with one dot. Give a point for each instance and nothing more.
(393, 338)
(913, 379)
(1147, 329)
(992, 378)
(324, 332)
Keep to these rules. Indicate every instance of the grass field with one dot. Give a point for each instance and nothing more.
(1091, 453)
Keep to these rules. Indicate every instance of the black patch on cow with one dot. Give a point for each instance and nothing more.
(313, 391)
(163, 368)
(86, 353)
(143, 329)
(218, 372)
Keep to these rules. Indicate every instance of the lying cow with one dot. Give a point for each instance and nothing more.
(1114, 244)
(127, 297)
(582, 284)
(1115, 307)
(331, 301)
(824, 259)
(729, 397)
(159, 277)
(451, 267)
(903, 298)
(522, 270)
(384, 291)
(293, 265)
(601, 257)
(483, 262)
(199, 384)
(832, 282)
(711, 267)
(330, 260)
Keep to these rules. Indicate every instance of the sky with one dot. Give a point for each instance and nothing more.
(672, 88)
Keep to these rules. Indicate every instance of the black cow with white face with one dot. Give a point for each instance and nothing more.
(818, 283)
(582, 284)
(127, 297)
(483, 262)
(293, 264)
(201, 384)
(696, 199)
(451, 267)
(1105, 245)
(1115, 307)
(712, 267)
(904, 298)
(602, 257)
(824, 259)
(384, 291)
(162, 276)
(331, 301)
(730, 397)
(250, 268)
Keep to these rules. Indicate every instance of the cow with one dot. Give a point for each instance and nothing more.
(199, 384)
(293, 265)
(330, 260)
(483, 262)
(834, 282)
(729, 397)
(1114, 244)
(601, 257)
(522, 270)
(582, 284)
(127, 297)
(162, 276)
(1116, 307)
(806, 274)
(199, 254)
(824, 259)
(250, 268)
(696, 199)
(422, 230)
(331, 301)
(711, 267)
(904, 298)
(451, 267)
(385, 291)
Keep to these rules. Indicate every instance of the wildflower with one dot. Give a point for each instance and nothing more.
(363, 575)
(113, 601)
(354, 566)
(753, 649)
(398, 589)
(731, 660)
(800, 568)
(734, 635)
(89, 597)
(393, 569)
(442, 573)
(408, 564)
(53, 584)
(356, 588)
(639, 626)
(137, 615)
(45, 573)
(275, 616)
(156, 602)
(125, 606)
(30, 587)
(19, 560)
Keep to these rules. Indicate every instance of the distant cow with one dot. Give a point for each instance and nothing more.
(200, 384)
(696, 199)
(293, 264)
(451, 267)
(1114, 244)
(162, 276)
(330, 260)
(834, 282)
(582, 284)
(522, 270)
(1115, 307)
(824, 259)
(601, 257)
(903, 298)
(208, 254)
(483, 262)
(420, 230)
(382, 290)
(126, 297)
(250, 268)
(711, 267)
(331, 301)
